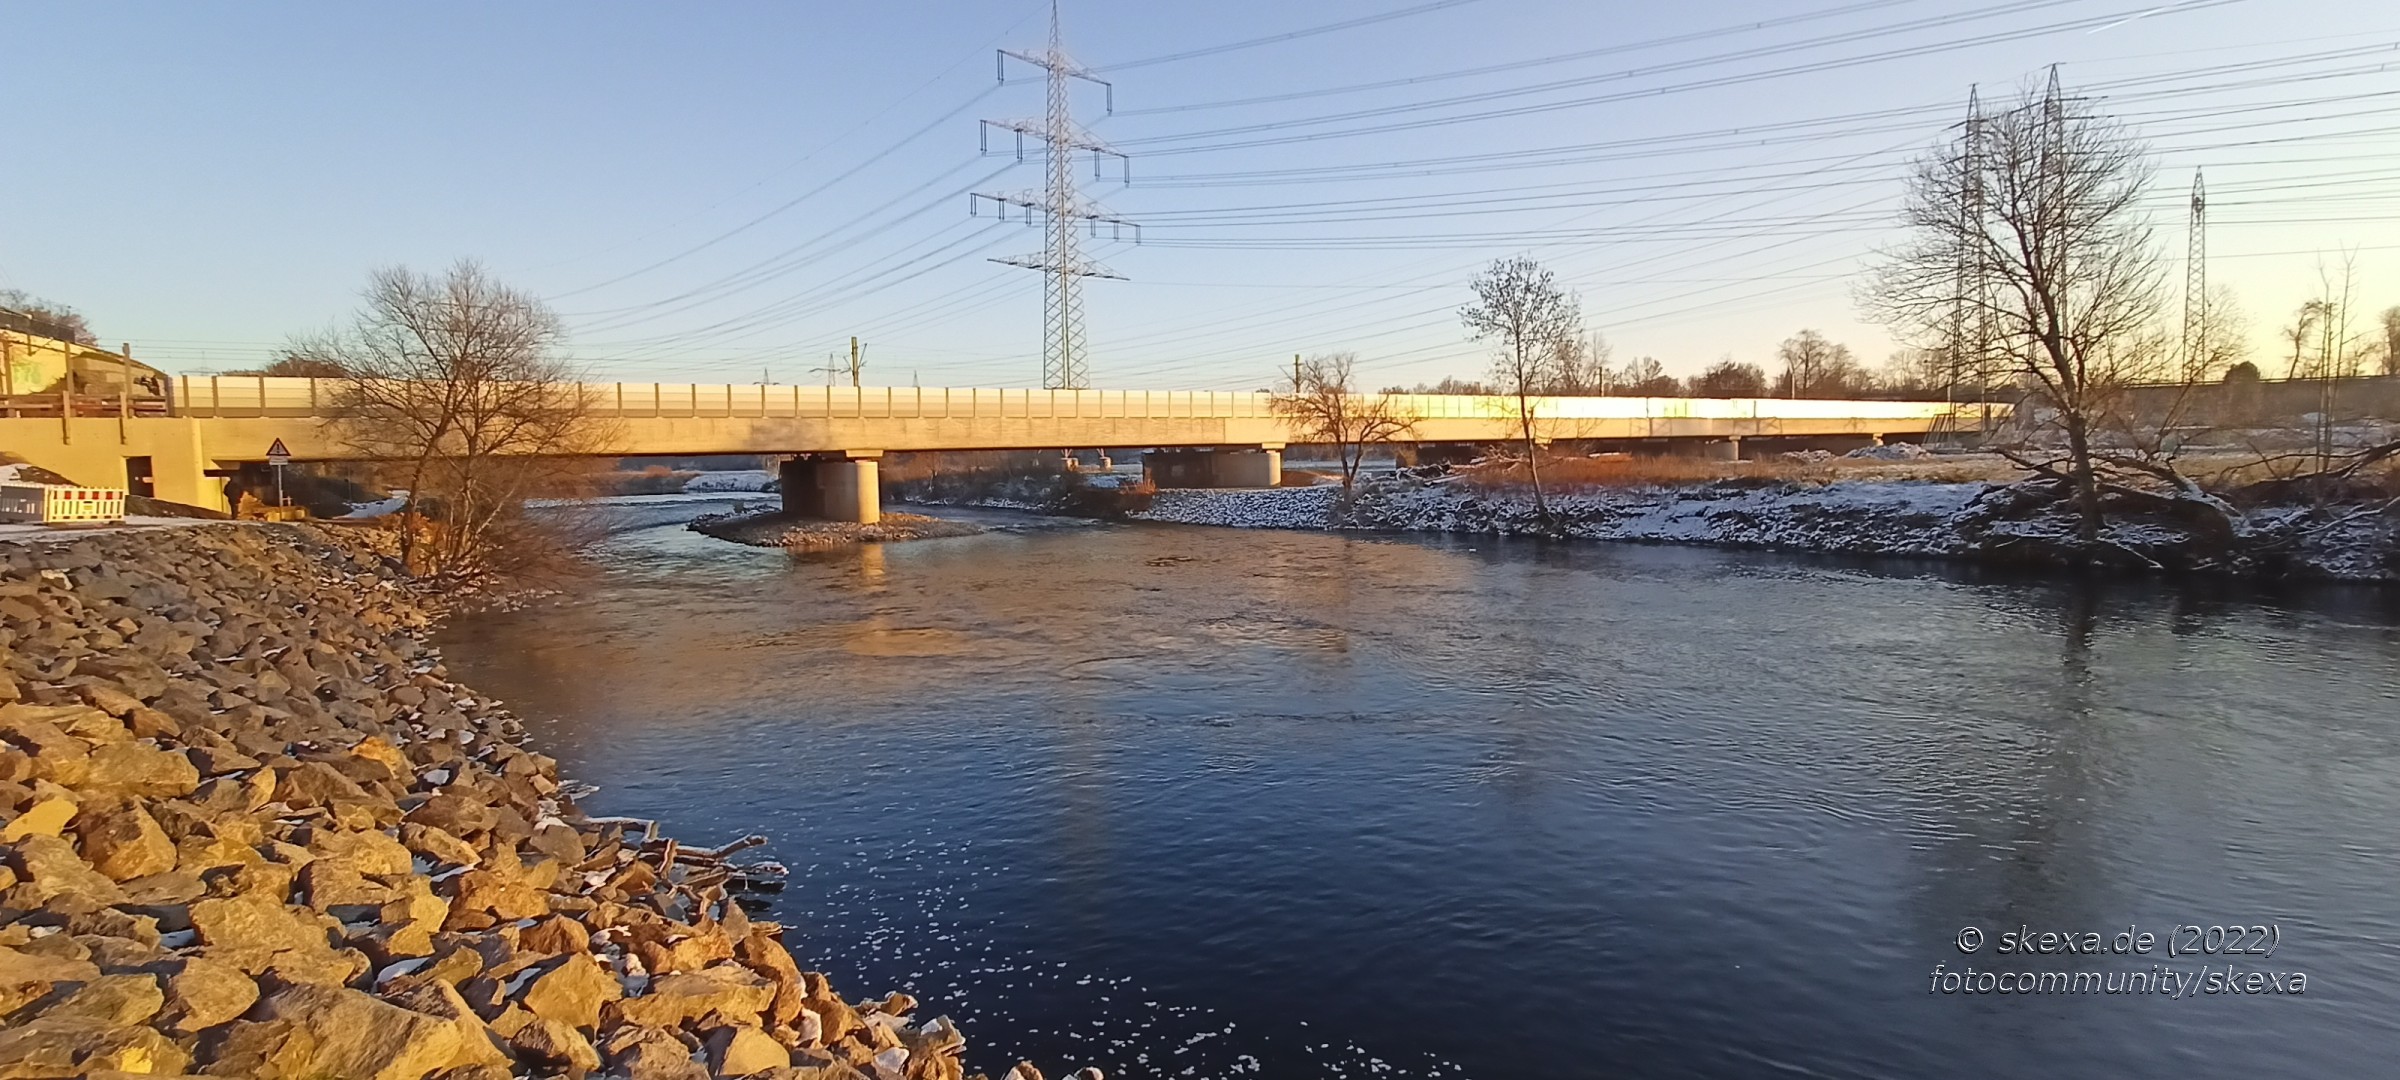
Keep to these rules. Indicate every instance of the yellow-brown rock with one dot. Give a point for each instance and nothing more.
(122, 840)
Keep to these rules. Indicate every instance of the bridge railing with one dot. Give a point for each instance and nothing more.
(260, 395)
(257, 395)
(1467, 406)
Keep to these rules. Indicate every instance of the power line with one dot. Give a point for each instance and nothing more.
(1645, 93)
(1673, 239)
(1294, 35)
(802, 160)
(1520, 65)
(789, 260)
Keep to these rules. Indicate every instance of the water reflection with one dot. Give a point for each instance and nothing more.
(1163, 799)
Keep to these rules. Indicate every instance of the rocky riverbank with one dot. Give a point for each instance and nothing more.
(1968, 521)
(249, 827)
(780, 530)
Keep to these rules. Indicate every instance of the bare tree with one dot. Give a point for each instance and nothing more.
(1729, 379)
(1323, 407)
(2339, 351)
(1815, 367)
(2337, 343)
(1579, 366)
(1917, 373)
(2302, 331)
(1644, 376)
(2225, 336)
(295, 362)
(2391, 340)
(2068, 275)
(1450, 384)
(455, 381)
(1521, 309)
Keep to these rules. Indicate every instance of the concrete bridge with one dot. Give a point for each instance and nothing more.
(835, 436)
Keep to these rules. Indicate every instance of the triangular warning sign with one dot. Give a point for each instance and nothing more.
(279, 452)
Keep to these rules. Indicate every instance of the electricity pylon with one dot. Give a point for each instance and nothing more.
(1969, 320)
(1060, 207)
(2195, 283)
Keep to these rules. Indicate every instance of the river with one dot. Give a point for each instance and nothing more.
(1177, 801)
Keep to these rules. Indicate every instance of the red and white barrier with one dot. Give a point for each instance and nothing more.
(60, 504)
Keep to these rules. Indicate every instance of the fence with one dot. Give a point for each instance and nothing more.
(67, 404)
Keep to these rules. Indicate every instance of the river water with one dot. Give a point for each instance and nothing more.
(1176, 801)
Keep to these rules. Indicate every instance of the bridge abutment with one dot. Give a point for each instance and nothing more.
(844, 487)
(157, 456)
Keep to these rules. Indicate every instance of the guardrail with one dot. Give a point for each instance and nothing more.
(254, 396)
(86, 405)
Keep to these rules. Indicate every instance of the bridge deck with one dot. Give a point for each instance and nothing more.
(687, 418)
(212, 422)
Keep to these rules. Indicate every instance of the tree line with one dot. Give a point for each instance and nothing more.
(2026, 266)
(1807, 365)
(2323, 342)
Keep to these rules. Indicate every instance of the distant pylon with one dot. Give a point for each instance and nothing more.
(1967, 316)
(1061, 208)
(2195, 283)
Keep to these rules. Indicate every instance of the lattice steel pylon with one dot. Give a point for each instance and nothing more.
(1969, 319)
(1060, 209)
(2195, 283)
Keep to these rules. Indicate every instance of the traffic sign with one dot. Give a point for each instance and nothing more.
(279, 454)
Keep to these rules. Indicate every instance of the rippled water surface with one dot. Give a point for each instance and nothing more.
(1188, 802)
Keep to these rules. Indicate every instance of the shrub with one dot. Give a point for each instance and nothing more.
(1079, 499)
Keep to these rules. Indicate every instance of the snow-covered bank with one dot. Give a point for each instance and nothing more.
(1861, 518)
(1940, 520)
(1246, 508)
(379, 507)
(753, 480)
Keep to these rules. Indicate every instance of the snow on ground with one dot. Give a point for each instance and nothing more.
(1874, 518)
(730, 480)
(1859, 517)
(1854, 517)
(379, 507)
(1891, 452)
(1251, 508)
(986, 502)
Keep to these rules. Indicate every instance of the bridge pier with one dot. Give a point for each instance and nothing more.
(843, 487)
(1215, 467)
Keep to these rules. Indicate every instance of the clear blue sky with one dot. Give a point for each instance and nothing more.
(706, 191)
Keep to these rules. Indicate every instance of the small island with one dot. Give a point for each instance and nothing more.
(782, 529)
